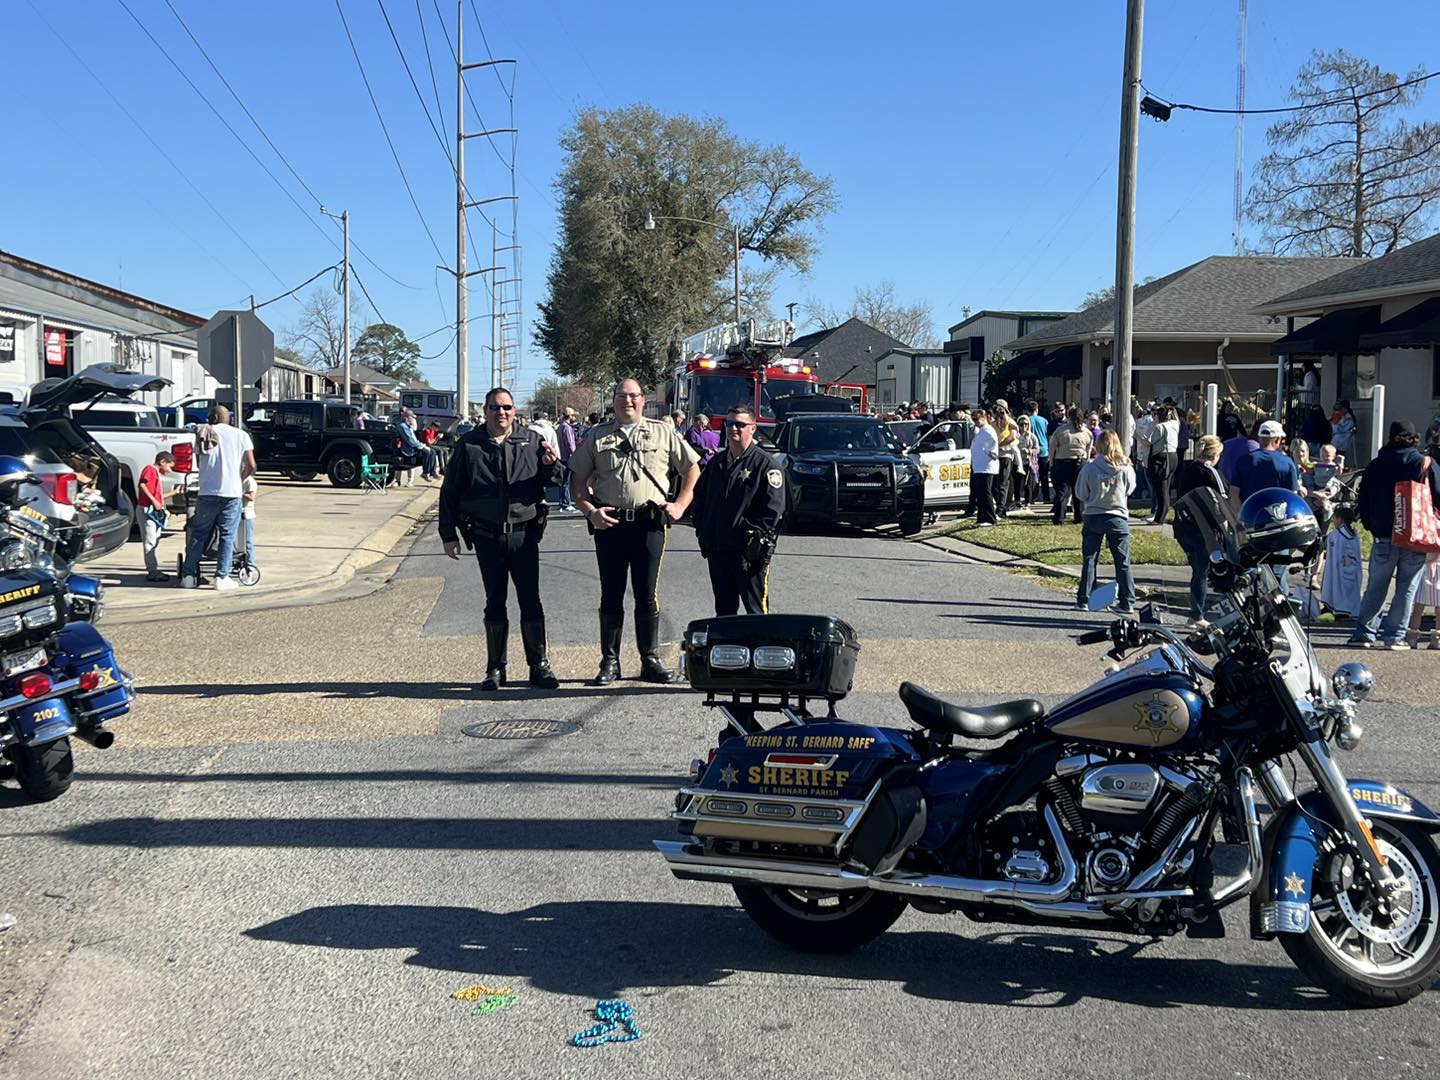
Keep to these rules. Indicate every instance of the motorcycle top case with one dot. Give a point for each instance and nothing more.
(804, 655)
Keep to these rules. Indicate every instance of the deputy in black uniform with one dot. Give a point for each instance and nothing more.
(494, 496)
(621, 477)
(739, 503)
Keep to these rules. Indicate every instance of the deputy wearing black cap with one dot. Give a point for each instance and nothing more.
(494, 496)
(739, 502)
(620, 477)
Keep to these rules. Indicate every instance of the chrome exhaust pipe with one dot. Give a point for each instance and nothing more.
(97, 736)
(989, 890)
(689, 862)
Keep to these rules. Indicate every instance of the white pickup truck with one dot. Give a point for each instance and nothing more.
(130, 430)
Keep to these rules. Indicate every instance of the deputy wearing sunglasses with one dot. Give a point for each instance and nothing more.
(620, 478)
(739, 502)
(494, 496)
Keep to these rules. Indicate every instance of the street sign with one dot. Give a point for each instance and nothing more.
(219, 338)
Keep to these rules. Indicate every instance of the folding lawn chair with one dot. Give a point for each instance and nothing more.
(373, 476)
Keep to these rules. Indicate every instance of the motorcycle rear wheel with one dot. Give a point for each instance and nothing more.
(1343, 951)
(812, 920)
(44, 772)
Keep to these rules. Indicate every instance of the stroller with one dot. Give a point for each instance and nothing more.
(241, 568)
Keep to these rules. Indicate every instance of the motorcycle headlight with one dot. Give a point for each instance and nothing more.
(16, 555)
(1352, 682)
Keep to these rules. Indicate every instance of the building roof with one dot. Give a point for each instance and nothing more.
(846, 352)
(914, 352)
(34, 289)
(993, 314)
(1213, 298)
(363, 373)
(1411, 269)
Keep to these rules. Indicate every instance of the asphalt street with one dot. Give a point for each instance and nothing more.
(293, 856)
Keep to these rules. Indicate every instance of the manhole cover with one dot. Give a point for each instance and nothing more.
(519, 729)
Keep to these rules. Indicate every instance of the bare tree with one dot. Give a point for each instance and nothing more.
(1347, 175)
(317, 334)
(876, 304)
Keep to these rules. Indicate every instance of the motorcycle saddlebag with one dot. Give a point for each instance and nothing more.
(83, 649)
(803, 655)
(806, 785)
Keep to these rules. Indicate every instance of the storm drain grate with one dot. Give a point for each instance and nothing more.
(520, 729)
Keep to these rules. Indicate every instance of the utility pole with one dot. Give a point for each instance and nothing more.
(344, 217)
(345, 297)
(737, 276)
(462, 305)
(497, 365)
(1125, 219)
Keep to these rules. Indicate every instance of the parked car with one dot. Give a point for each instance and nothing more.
(102, 530)
(131, 430)
(303, 439)
(850, 469)
(943, 464)
(188, 412)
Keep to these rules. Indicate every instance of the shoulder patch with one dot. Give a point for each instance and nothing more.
(774, 478)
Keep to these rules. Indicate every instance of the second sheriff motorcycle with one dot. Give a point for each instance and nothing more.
(58, 675)
(1131, 806)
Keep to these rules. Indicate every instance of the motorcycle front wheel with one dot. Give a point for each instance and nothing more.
(813, 920)
(1362, 955)
(44, 772)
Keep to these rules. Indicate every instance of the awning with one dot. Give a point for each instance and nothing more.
(1027, 364)
(1415, 328)
(1330, 335)
(1063, 363)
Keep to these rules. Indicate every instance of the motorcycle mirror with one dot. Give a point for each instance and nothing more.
(1102, 597)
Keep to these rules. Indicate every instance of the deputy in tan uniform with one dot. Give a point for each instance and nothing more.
(620, 478)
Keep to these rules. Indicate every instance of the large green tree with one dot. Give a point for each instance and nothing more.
(385, 348)
(1348, 174)
(620, 295)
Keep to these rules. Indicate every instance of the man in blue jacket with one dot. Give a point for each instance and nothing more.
(1399, 461)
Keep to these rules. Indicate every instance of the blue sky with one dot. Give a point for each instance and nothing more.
(973, 146)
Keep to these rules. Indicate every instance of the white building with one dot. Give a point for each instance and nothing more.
(53, 323)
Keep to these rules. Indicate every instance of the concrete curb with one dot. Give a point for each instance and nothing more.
(335, 584)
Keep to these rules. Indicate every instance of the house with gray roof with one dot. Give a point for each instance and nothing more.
(1194, 326)
(846, 353)
(1375, 323)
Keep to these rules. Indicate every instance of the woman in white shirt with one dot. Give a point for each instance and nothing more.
(1164, 448)
(984, 467)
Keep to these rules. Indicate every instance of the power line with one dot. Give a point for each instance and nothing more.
(151, 139)
(468, 96)
(297, 288)
(270, 142)
(1292, 108)
(388, 141)
(510, 93)
(430, 63)
(366, 293)
(444, 146)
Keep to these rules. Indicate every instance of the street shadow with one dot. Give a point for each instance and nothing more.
(662, 781)
(1075, 621)
(1003, 602)
(449, 691)
(601, 949)
(373, 834)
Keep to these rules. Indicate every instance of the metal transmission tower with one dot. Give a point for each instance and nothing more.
(463, 202)
(1240, 42)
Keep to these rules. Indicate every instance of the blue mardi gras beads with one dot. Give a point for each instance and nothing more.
(610, 1013)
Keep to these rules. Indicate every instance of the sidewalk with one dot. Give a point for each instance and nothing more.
(309, 538)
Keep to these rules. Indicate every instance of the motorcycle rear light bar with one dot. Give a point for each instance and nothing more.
(774, 810)
(724, 806)
(823, 813)
(802, 761)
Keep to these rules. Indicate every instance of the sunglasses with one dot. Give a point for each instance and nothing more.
(738, 424)
(500, 408)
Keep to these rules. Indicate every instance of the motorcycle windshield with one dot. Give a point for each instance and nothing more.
(1210, 513)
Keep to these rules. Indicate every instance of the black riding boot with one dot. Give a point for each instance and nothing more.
(647, 639)
(532, 633)
(611, 629)
(497, 637)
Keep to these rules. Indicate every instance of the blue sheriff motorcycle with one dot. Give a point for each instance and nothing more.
(58, 675)
(1131, 806)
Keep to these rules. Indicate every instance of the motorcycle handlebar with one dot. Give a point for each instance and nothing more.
(1094, 637)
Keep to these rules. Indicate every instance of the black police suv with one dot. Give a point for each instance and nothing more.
(848, 469)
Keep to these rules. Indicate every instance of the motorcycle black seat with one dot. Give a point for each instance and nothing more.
(986, 722)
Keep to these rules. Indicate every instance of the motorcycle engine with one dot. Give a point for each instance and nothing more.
(1121, 814)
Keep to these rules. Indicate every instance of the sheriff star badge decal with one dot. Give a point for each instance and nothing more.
(729, 776)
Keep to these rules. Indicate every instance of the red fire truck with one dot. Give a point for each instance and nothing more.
(733, 365)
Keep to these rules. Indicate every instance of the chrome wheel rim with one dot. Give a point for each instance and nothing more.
(1368, 942)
